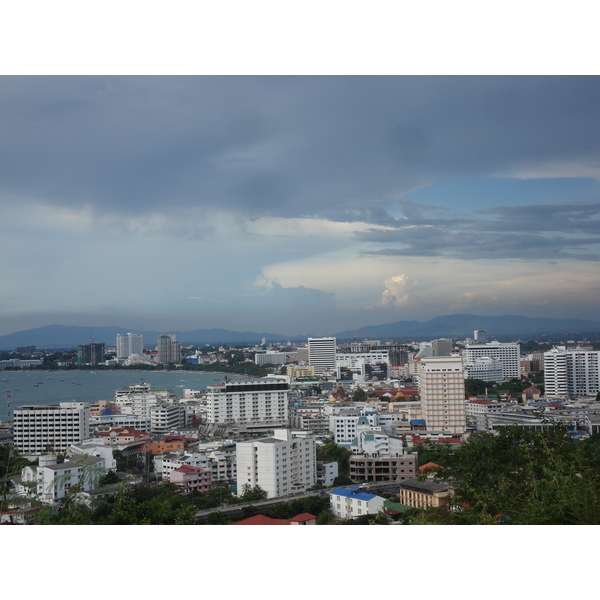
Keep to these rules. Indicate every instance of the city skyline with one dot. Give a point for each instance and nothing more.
(296, 204)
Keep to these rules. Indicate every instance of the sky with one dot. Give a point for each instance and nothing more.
(296, 204)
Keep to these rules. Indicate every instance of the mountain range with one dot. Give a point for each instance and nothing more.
(459, 326)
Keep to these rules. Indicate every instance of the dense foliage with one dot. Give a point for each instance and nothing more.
(524, 477)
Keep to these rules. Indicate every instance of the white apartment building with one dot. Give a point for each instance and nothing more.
(128, 344)
(356, 362)
(343, 423)
(41, 428)
(251, 401)
(485, 368)
(221, 463)
(270, 357)
(375, 441)
(352, 502)
(571, 372)
(322, 355)
(165, 418)
(280, 465)
(50, 482)
(508, 354)
(140, 398)
(442, 390)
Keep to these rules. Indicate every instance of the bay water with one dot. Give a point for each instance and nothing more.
(52, 387)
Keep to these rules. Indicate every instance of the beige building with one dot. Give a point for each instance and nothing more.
(442, 390)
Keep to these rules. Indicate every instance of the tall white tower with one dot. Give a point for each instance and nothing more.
(321, 354)
(442, 390)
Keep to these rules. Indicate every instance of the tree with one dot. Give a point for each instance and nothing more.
(524, 477)
(359, 395)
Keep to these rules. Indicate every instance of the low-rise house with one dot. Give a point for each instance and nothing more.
(191, 479)
(352, 502)
(326, 472)
(50, 481)
(425, 494)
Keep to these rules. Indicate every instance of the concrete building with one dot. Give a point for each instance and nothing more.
(165, 418)
(168, 350)
(442, 390)
(358, 363)
(424, 494)
(51, 481)
(322, 355)
(41, 428)
(327, 471)
(250, 401)
(383, 468)
(442, 347)
(478, 412)
(280, 465)
(352, 502)
(128, 344)
(90, 354)
(191, 479)
(508, 354)
(485, 368)
(571, 372)
(270, 357)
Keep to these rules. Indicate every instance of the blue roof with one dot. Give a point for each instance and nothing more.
(418, 422)
(353, 492)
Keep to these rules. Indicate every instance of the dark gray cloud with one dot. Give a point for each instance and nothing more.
(288, 146)
(533, 232)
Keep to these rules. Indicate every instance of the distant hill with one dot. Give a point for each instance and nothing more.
(462, 326)
(451, 326)
(69, 336)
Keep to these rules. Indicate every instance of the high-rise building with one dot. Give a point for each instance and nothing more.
(253, 402)
(42, 428)
(280, 465)
(169, 350)
(571, 372)
(90, 354)
(508, 354)
(128, 344)
(480, 336)
(321, 354)
(442, 390)
(442, 347)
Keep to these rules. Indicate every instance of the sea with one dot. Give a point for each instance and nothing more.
(52, 387)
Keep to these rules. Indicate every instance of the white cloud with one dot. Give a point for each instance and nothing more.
(298, 227)
(554, 170)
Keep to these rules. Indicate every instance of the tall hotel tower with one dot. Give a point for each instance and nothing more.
(442, 389)
(321, 354)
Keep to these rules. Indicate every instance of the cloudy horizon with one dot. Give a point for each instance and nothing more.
(296, 204)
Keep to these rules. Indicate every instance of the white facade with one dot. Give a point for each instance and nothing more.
(139, 399)
(442, 390)
(50, 482)
(571, 372)
(508, 354)
(343, 424)
(165, 418)
(349, 503)
(256, 401)
(270, 357)
(50, 427)
(322, 355)
(356, 361)
(128, 344)
(485, 368)
(221, 463)
(280, 465)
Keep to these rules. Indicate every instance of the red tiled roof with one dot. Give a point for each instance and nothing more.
(429, 465)
(261, 520)
(188, 469)
(303, 517)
